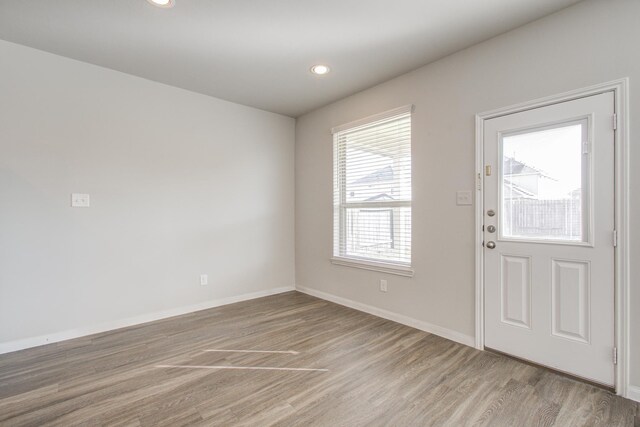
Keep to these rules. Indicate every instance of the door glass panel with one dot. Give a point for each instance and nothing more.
(543, 178)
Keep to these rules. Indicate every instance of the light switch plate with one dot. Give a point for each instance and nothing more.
(79, 200)
(464, 198)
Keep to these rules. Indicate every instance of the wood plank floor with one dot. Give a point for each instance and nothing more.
(378, 373)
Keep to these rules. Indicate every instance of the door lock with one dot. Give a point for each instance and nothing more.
(491, 212)
(491, 245)
(491, 229)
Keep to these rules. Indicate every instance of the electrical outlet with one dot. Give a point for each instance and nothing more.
(79, 200)
(204, 279)
(383, 286)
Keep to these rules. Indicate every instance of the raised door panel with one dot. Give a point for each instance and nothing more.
(570, 299)
(516, 290)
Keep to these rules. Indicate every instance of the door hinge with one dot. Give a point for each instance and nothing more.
(615, 122)
(615, 355)
(615, 238)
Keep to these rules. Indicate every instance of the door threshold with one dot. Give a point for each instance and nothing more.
(555, 371)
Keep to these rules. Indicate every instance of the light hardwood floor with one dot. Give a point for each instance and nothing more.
(378, 373)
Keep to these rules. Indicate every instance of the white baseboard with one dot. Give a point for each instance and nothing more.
(24, 343)
(399, 318)
(633, 393)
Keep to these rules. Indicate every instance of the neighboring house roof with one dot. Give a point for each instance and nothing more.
(382, 196)
(384, 174)
(515, 167)
(517, 191)
(512, 169)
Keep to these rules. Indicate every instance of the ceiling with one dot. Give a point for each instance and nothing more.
(258, 52)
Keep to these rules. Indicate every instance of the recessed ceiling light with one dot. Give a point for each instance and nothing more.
(162, 3)
(320, 69)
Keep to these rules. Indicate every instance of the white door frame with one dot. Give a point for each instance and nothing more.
(622, 284)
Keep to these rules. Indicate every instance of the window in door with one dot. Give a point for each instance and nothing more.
(545, 185)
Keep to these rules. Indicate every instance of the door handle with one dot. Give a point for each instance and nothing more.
(491, 245)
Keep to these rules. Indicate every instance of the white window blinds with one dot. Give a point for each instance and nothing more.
(372, 189)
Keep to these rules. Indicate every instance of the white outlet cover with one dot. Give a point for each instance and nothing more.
(80, 200)
(464, 198)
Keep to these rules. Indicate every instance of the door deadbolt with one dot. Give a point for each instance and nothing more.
(491, 245)
(491, 212)
(491, 229)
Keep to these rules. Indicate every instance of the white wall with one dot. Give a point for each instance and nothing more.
(589, 43)
(180, 183)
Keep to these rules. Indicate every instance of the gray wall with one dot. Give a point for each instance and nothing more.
(589, 43)
(180, 183)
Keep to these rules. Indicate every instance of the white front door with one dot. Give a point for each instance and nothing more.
(548, 233)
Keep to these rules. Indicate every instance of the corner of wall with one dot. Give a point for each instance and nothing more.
(395, 317)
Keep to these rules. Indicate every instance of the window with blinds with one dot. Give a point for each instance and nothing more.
(372, 189)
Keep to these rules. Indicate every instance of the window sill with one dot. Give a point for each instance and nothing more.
(383, 267)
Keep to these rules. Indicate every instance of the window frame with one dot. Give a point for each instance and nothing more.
(339, 184)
